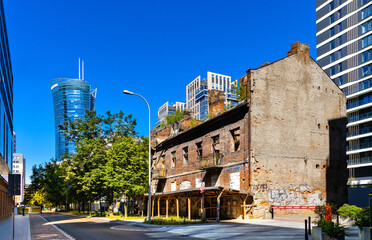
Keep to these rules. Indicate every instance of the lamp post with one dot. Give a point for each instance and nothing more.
(148, 106)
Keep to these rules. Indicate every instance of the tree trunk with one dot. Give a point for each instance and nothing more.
(111, 203)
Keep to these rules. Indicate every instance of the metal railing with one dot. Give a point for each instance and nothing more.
(359, 132)
(359, 161)
(359, 146)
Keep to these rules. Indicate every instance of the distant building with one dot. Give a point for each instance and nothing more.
(6, 100)
(167, 109)
(6, 118)
(285, 146)
(344, 51)
(197, 93)
(19, 167)
(71, 98)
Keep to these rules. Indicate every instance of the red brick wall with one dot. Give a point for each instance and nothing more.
(182, 172)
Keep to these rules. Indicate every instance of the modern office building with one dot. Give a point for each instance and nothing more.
(167, 109)
(6, 100)
(344, 51)
(14, 142)
(19, 167)
(197, 93)
(71, 98)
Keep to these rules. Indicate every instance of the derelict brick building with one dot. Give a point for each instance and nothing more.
(284, 146)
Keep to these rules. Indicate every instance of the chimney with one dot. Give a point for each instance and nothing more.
(299, 48)
(216, 101)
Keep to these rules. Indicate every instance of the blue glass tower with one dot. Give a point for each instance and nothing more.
(71, 98)
(6, 99)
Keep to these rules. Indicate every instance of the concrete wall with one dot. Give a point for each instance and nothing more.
(292, 101)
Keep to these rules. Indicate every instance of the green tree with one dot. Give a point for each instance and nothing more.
(109, 159)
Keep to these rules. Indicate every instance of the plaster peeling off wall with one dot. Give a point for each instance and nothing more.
(298, 196)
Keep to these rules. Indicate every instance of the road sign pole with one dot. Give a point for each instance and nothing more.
(202, 191)
(13, 197)
(370, 215)
(203, 210)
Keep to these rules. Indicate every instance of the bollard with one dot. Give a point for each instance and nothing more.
(306, 236)
(309, 230)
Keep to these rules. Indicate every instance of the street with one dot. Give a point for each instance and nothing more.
(84, 228)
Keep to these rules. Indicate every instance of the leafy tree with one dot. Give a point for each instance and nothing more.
(109, 160)
(172, 118)
(242, 91)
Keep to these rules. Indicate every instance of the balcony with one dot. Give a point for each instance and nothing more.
(356, 162)
(359, 146)
(361, 131)
(359, 117)
(211, 161)
(159, 174)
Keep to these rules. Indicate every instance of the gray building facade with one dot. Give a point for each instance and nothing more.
(344, 51)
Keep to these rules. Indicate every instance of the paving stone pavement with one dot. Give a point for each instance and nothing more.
(41, 231)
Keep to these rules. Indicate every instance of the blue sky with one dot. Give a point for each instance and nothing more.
(154, 48)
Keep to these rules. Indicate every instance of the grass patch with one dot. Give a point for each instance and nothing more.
(75, 212)
(125, 218)
(173, 220)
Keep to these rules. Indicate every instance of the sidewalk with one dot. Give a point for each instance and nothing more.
(21, 228)
(41, 230)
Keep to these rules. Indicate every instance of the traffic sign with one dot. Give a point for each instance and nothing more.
(202, 187)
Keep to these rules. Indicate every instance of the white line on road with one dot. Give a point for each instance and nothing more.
(60, 230)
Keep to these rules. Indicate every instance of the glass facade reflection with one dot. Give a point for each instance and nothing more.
(6, 99)
(71, 98)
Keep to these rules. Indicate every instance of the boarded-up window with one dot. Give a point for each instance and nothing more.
(185, 185)
(198, 182)
(174, 186)
(235, 180)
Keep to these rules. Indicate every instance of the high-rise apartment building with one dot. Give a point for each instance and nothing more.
(71, 98)
(167, 109)
(344, 51)
(197, 93)
(19, 167)
(6, 100)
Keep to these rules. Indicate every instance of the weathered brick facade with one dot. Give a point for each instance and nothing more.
(6, 202)
(285, 145)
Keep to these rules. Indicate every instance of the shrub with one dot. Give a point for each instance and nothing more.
(360, 216)
(330, 228)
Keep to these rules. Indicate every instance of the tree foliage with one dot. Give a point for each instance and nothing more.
(172, 118)
(110, 161)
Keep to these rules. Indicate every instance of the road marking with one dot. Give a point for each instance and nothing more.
(60, 230)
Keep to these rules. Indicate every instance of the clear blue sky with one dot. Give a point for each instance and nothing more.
(154, 48)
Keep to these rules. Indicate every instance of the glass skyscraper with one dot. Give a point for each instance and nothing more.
(6, 99)
(344, 51)
(197, 93)
(71, 98)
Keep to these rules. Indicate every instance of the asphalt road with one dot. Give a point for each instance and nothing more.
(84, 229)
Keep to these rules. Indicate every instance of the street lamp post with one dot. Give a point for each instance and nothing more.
(148, 106)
